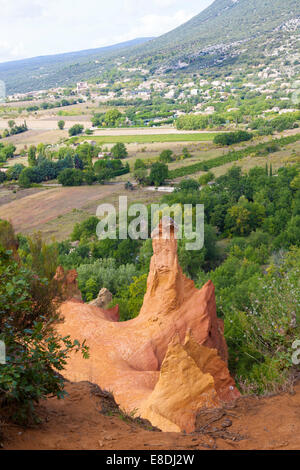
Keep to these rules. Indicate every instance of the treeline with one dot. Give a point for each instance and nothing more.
(230, 138)
(57, 104)
(261, 125)
(199, 121)
(14, 129)
(72, 167)
(278, 124)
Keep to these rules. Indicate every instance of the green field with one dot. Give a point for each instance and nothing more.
(141, 139)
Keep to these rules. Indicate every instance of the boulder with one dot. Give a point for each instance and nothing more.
(103, 300)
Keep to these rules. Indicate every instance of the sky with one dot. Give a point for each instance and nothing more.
(29, 28)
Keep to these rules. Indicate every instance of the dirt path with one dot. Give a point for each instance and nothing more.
(78, 422)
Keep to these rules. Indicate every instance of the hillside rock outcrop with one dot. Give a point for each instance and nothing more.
(103, 299)
(169, 361)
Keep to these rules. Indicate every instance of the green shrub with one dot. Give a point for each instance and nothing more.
(71, 177)
(35, 353)
(158, 174)
(188, 185)
(75, 130)
(231, 138)
(260, 338)
(130, 299)
(85, 229)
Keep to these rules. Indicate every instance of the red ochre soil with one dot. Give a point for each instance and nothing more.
(79, 422)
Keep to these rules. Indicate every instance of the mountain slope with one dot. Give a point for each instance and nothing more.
(226, 21)
(60, 69)
(225, 24)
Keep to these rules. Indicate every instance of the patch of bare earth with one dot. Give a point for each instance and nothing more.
(88, 419)
(41, 207)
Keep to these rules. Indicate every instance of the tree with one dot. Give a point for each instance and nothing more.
(71, 177)
(41, 149)
(141, 176)
(206, 178)
(6, 152)
(85, 229)
(78, 163)
(158, 174)
(166, 156)
(188, 185)
(2, 176)
(139, 163)
(90, 177)
(104, 175)
(32, 156)
(119, 151)
(111, 117)
(14, 171)
(76, 130)
(61, 124)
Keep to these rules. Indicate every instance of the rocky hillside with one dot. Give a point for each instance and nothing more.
(224, 31)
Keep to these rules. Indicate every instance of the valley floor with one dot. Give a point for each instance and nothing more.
(78, 423)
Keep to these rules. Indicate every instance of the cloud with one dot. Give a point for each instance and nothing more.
(149, 25)
(40, 27)
(11, 52)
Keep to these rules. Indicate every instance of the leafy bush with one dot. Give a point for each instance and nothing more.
(230, 138)
(2, 176)
(158, 174)
(166, 156)
(196, 121)
(35, 352)
(13, 173)
(188, 185)
(71, 177)
(130, 299)
(206, 178)
(75, 130)
(85, 229)
(260, 337)
(6, 152)
(119, 151)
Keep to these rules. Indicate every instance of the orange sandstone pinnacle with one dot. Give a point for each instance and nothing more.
(168, 362)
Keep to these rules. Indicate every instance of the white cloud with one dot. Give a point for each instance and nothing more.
(148, 26)
(38, 27)
(14, 52)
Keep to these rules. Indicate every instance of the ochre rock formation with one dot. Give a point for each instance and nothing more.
(168, 362)
(68, 283)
